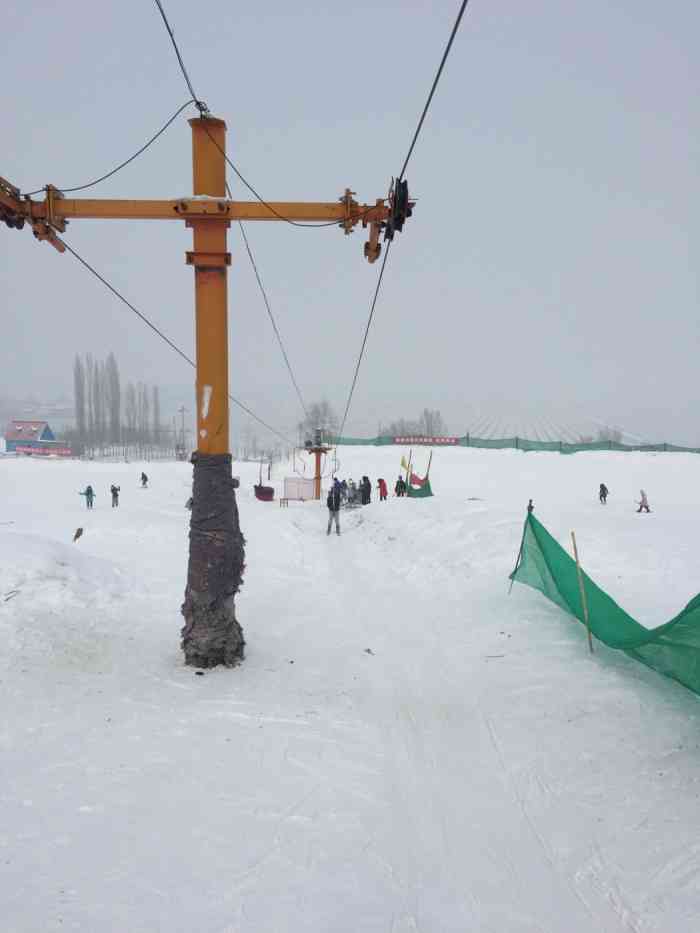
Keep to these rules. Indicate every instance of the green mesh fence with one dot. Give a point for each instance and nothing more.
(520, 443)
(672, 649)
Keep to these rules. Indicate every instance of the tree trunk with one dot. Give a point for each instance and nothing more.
(211, 634)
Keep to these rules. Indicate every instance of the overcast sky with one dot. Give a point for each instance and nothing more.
(550, 268)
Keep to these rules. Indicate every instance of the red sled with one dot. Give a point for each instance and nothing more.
(264, 493)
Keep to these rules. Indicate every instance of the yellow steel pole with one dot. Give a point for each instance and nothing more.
(211, 634)
(211, 260)
(317, 477)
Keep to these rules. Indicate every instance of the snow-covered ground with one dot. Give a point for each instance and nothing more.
(406, 747)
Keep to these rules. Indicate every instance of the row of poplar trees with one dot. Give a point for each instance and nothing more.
(107, 417)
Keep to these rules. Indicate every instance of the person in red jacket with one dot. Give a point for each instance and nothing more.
(381, 485)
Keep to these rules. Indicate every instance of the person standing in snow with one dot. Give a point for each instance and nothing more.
(115, 495)
(400, 487)
(530, 507)
(603, 493)
(366, 487)
(333, 503)
(381, 486)
(144, 481)
(643, 502)
(89, 496)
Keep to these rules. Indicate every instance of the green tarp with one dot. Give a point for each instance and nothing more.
(522, 443)
(420, 492)
(672, 649)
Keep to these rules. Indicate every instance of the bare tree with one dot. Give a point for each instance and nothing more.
(144, 422)
(90, 395)
(432, 423)
(131, 413)
(156, 416)
(610, 434)
(79, 399)
(319, 415)
(114, 399)
(429, 424)
(98, 401)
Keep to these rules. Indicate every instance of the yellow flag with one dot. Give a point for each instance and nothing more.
(403, 463)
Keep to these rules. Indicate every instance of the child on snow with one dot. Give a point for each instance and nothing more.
(89, 494)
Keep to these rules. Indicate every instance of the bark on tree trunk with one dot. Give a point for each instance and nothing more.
(211, 634)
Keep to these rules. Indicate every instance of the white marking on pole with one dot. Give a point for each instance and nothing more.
(206, 399)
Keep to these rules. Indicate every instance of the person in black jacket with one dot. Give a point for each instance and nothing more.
(603, 493)
(115, 495)
(366, 487)
(333, 503)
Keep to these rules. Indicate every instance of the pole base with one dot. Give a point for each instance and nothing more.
(211, 634)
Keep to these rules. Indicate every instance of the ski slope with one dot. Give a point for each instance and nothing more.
(407, 747)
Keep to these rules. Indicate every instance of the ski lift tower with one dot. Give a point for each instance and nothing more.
(317, 447)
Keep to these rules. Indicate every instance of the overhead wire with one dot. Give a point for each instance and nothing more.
(269, 310)
(167, 340)
(403, 170)
(288, 220)
(434, 86)
(204, 112)
(272, 320)
(364, 340)
(121, 165)
(201, 106)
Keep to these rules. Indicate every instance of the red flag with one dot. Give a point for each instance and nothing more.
(416, 480)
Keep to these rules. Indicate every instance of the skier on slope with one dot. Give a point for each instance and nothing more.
(115, 495)
(603, 493)
(144, 480)
(643, 502)
(89, 494)
(333, 503)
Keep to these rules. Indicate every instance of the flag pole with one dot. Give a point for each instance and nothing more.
(584, 601)
(518, 558)
(430, 460)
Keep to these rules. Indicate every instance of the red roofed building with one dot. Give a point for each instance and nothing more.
(30, 436)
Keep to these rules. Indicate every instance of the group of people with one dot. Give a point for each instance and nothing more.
(352, 493)
(643, 503)
(114, 490)
(349, 493)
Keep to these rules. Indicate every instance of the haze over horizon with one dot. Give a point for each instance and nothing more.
(546, 274)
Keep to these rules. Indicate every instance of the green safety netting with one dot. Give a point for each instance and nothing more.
(672, 649)
(420, 492)
(521, 443)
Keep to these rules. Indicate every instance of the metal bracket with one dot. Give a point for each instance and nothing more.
(348, 222)
(208, 260)
(203, 207)
(53, 195)
(42, 231)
